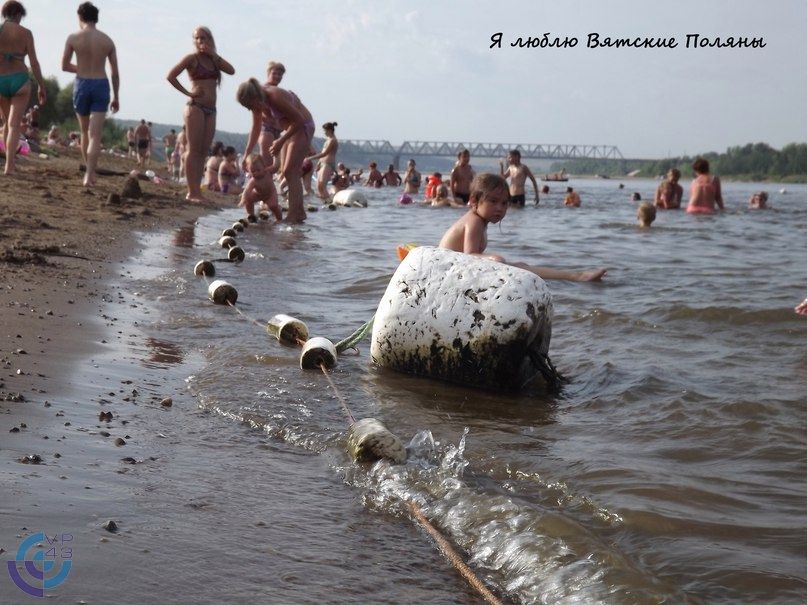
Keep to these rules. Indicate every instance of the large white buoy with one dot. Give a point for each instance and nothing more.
(464, 319)
(222, 293)
(318, 352)
(350, 197)
(288, 330)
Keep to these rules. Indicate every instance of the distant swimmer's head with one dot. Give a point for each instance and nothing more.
(329, 127)
(646, 214)
(758, 200)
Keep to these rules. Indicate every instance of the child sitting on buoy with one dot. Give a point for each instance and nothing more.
(489, 201)
(260, 187)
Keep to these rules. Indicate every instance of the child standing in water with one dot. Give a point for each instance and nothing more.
(260, 187)
(489, 200)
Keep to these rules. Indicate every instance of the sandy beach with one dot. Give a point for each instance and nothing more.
(62, 449)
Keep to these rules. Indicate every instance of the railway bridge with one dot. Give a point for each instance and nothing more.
(529, 151)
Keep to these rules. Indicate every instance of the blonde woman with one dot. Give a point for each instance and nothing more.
(204, 67)
(269, 102)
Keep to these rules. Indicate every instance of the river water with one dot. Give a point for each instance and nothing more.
(671, 468)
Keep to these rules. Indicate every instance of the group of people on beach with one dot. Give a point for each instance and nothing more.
(283, 129)
(92, 94)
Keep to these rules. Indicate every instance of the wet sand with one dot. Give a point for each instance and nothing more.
(74, 410)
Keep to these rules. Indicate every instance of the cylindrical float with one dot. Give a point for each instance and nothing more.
(204, 267)
(227, 241)
(264, 215)
(369, 440)
(288, 330)
(236, 254)
(222, 293)
(252, 218)
(229, 232)
(318, 352)
(244, 222)
(238, 227)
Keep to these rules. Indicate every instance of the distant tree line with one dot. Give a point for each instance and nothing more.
(751, 162)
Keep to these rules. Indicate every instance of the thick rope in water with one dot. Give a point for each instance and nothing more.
(452, 555)
(338, 394)
(442, 542)
(245, 316)
(351, 341)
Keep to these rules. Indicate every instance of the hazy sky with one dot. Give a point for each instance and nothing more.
(425, 70)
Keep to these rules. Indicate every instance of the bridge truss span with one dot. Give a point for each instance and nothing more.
(535, 151)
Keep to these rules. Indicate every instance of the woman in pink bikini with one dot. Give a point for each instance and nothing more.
(268, 102)
(204, 67)
(704, 192)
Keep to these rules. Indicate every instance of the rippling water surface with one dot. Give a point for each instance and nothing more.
(672, 467)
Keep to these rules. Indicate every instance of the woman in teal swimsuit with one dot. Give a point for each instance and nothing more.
(204, 67)
(16, 42)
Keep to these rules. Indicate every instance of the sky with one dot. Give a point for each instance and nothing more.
(427, 70)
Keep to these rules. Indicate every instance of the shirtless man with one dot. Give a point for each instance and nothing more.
(461, 177)
(392, 178)
(143, 137)
(518, 174)
(91, 98)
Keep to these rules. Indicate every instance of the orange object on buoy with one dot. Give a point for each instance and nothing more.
(404, 250)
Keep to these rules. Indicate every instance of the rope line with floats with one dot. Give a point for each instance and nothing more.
(368, 440)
